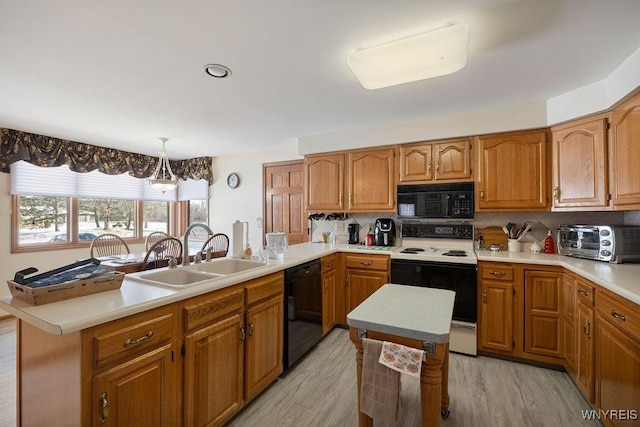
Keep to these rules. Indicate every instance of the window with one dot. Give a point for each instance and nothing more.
(82, 206)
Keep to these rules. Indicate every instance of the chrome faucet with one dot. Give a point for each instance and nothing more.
(185, 243)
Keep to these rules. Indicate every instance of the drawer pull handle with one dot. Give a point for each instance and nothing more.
(587, 329)
(243, 334)
(130, 342)
(497, 273)
(329, 264)
(104, 408)
(583, 292)
(366, 262)
(618, 315)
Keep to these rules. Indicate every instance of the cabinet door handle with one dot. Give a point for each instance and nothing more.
(340, 200)
(482, 195)
(618, 315)
(437, 166)
(104, 408)
(583, 292)
(366, 262)
(350, 199)
(484, 296)
(497, 273)
(250, 328)
(587, 329)
(145, 337)
(243, 334)
(428, 167)
(325, 288)
(556, 193)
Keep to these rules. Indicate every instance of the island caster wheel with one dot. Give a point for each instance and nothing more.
(445, 414)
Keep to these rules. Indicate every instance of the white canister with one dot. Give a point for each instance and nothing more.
(514, 245)
(535, 248)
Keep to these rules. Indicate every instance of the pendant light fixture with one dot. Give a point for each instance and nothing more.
(163, 178)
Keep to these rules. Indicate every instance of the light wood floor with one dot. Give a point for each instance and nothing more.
(321, 391)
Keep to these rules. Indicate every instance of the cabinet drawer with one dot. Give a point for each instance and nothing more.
(369, 262)
(264, 287)
(586, 292)
(497, 272)
(621, 312)
(328, 263)
(133, 335)
(207, 308)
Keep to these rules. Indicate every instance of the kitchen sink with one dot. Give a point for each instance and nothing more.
(228, 266)
(175, 277)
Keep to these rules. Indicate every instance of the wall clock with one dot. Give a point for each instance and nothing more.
(233, 180)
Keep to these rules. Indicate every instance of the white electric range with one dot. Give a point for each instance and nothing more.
(441, 255)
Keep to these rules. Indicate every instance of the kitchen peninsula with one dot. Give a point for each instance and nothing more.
(77, 345)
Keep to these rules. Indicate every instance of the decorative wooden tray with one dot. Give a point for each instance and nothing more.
(74, 280)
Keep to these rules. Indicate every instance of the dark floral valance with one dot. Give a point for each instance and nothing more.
(41, 150)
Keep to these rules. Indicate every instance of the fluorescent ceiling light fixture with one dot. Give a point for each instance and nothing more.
(431, 54)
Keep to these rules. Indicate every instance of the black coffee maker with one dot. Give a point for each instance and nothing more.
(354, 233)
(384, 232)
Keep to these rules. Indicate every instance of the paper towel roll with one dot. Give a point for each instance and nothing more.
(237, 238)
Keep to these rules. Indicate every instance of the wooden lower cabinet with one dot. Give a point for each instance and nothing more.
(213, 372)
(496, 316)
(365, 274)
(617, 373)
(584, 374)
(569, 337)
(542, 315)
(329, 293)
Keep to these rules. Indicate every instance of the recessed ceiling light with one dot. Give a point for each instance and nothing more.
(431, 54)
(218, 71)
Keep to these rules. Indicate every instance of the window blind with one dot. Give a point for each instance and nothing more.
(30, 180)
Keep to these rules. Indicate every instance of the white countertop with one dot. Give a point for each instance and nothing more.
(622, 279)
(134, 297)
(407, 311)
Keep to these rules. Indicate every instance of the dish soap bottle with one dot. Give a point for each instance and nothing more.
(247, 251)
(549, 244)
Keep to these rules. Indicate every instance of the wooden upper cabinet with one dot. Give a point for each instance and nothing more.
(371, 180)
(357, 181)
(625, 155)
(579, 165)
(435, 161)
(512, 171)
(324, 182)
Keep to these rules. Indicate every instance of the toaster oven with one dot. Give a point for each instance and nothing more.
(612, 243)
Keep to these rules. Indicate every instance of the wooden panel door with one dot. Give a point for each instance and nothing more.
(512, 171)
(371, 180)
(625, 155)
(361, 284)
(585, 340)
(617, 371)
(416, 162)
(452, 160)
(324, 182)
(542, 318)
(496, 316)
(284, 200)
(579, 164)
(569, 332)
(328, 300)
(213, 372)
(264, 344)
(141, 391)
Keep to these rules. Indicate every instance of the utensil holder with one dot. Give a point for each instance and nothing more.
(514, 245)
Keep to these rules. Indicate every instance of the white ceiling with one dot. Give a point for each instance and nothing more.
(122, 73)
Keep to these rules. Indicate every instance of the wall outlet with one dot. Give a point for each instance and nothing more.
(259, 222)
(340, 226)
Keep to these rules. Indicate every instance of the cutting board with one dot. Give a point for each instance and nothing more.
(492, 236)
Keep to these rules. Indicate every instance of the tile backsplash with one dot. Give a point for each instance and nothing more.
(541, 222)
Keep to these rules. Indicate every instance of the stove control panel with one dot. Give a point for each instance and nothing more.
(439, 230)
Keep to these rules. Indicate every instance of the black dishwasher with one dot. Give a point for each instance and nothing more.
(303, 311)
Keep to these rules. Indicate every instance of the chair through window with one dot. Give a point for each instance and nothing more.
(161, 251)
(108, 245)
(219, 244)
(153, 238)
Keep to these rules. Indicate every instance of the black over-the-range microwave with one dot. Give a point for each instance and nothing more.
(436, 201)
